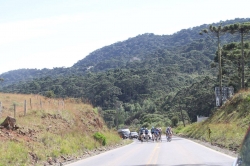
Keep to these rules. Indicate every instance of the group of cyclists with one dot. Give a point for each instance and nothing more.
(156, 133)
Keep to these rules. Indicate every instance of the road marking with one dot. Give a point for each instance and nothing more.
(156, 155)
(210, 149)
(153, 153)
(125, 156)
(189, 157)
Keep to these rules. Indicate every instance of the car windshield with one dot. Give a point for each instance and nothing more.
(126, 132)
(133, 133)
(243, 158)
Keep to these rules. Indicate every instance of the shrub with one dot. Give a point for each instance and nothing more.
(146, 125)
(174, 121)
(49, 94)
(100, 137)
(167, 122)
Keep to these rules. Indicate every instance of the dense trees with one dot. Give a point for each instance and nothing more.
(243, 29)
(232, 64)
(217, 32)
(155, 78)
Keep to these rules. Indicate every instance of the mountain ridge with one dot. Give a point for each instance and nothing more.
(156, 74)
(98, 60)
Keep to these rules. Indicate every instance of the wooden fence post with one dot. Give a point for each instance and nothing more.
(25, 107)
(30, 104)
(63, 104)
(14, 110)
(41, 104)
(0, 108)
(58, 105)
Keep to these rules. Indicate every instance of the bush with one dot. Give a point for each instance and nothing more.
(146, 125)
(100, 137)
(167, 122)
(174, 121)
(49, 94)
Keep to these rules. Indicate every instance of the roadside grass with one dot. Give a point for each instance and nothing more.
(60, 128)
(111, 137)
(228, 124)
(8, 148)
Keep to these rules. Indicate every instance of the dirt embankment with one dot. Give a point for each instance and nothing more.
(51, 132)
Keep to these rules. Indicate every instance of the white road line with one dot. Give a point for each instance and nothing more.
(210, 148)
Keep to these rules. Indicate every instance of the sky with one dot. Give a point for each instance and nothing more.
(58, 33)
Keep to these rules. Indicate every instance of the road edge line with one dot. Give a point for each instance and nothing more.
(210, 148)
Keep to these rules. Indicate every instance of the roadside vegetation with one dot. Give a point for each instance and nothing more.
(50, 130)
(160, 75)
(228, 124)
(145, 81)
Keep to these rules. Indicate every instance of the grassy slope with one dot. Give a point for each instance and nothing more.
(227, 124)
(49, 130)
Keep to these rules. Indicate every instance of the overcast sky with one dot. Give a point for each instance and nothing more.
(57, 33)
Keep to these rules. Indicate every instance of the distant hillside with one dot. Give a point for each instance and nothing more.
(157, 74)
(24, 75)
(138, 48)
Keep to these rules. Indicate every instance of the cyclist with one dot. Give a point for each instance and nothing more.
(142, 130)
(169, 132)
(146, 133)
(152, 132)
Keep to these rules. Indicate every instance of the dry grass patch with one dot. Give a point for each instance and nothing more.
(51, 128)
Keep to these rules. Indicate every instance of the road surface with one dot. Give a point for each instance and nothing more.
(178, 152)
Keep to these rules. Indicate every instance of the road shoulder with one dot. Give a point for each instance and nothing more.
(212, 146)
(90, 153)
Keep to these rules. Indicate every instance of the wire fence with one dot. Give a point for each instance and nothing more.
(19, 109)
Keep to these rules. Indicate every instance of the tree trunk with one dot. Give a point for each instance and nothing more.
(182, 118)
(239, 72)
(242, 63)
(220, 70)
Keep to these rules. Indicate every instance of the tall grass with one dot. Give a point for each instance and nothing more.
(13, 153)
(60, 127)
(228, 124)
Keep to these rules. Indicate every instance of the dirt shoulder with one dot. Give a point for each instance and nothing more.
(64, 160)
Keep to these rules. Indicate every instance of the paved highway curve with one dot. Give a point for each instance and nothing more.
(178, 152)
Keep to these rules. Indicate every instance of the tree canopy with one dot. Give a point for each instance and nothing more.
(153, 77)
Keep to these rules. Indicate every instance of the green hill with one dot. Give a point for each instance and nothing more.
(168, 76)
(228, 124)
(185, 45)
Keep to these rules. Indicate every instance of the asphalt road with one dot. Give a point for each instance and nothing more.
(178, 152)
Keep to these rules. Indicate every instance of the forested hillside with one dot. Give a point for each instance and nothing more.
(159, 75)
(137, 48)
